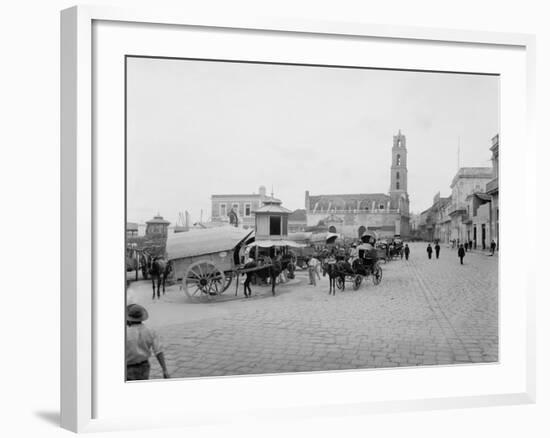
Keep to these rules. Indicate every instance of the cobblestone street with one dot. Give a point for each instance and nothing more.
(425, 312)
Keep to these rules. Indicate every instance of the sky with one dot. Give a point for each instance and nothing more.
(197, 128)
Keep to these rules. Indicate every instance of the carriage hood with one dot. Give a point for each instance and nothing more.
(199, 242)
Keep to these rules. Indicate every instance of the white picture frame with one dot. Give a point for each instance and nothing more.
(83, 369)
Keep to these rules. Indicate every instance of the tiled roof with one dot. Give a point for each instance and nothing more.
(272, 208)
(158, 220)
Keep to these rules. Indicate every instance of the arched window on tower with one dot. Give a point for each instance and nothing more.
(397, 175)
(397, 185)
(398, 160)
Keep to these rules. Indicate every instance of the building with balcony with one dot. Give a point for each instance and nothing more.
(466, 182)
(435, 221)
(492, 190)
(352, 214)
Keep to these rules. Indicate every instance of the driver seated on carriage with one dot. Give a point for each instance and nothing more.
(367, 253)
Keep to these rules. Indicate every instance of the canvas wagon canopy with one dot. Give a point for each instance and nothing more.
(271, 243)
(369, 235)
(303, 236)
(324, 237)
(206, 241)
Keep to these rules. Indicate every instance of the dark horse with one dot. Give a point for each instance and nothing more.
(159, 271)
(272, 272)
(335, 270)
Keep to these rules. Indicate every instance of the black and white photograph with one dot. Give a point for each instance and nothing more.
(285, 218)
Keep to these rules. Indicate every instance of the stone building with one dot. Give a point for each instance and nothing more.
(244, 206)
(478, 219)
(492, 190)
(467, 181)
(434, 222)
(352, 214)
(471, 212)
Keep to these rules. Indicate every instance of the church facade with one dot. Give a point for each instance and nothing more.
(353, 214)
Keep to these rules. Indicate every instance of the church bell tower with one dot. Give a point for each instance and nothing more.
(398, 188)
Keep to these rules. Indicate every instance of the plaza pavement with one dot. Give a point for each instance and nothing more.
(424, 312)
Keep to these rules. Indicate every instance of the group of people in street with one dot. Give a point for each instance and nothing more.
(430, 250)
(469, 245)
(463, 248)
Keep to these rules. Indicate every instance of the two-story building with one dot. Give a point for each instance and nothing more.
(492, 190)
(467, 181)
(244, 206)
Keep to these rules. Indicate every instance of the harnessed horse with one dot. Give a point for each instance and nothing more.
(336, 269)
(160, 269)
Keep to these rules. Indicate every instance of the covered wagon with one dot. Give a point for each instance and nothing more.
(204, 261)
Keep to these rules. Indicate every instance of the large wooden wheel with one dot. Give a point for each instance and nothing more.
(228, 279)
(357, 282)
(377, 274)
(204, 278)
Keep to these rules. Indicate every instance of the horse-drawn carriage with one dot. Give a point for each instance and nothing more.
(205, 261)
(396, 248)
(137, 260)
(367, 263)
(363, 264)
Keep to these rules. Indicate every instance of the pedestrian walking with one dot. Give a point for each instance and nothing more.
(470, 243)
(312, 267)
(493, 247)
(249, 263)
(429, 250)
(247, 280)
(407, 251)
(437, 249)
(141, 342)
(461, 253)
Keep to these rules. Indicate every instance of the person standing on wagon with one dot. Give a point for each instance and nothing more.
(429, 250)
(461, 254)
(141, 341)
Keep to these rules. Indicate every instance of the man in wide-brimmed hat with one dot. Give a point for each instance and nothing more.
(141, 341)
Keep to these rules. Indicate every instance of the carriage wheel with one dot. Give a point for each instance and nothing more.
(340, 283)
(357, 282)
(377, 275)
(203, 278)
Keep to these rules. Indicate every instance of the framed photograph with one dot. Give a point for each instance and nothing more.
(304, 214)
